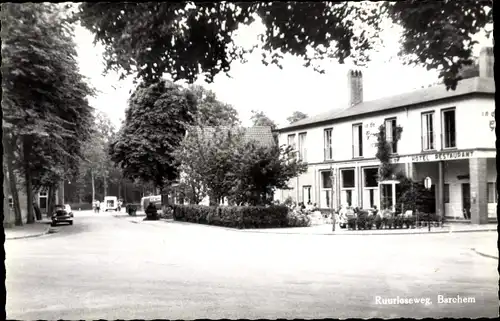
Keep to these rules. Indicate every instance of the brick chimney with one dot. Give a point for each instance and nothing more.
(486, 62)
(355, 84)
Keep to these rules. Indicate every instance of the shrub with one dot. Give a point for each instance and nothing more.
(132, 209)
(378, 222)
(233, 216)
(298, 220)
(81, 206)
(351, 223)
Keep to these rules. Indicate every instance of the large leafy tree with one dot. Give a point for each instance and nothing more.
(260, 170)
(211, 111)
(44, 103)
(187, 39)
(258, 118)
(296, 116)
(155, 124)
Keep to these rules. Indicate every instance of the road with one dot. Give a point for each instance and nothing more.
(108, 268)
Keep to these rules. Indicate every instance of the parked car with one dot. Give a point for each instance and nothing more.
(62, 214)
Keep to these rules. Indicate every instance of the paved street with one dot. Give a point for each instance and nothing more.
(109, 268)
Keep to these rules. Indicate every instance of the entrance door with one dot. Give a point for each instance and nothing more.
(466, 200)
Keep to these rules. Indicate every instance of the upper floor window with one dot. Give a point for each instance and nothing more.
(302, 146)
(428, 141)
(449, 129)
(391, 135)
(291, 141)
(357, 140)
(328, 144)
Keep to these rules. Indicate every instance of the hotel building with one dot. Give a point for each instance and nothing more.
(448, 136)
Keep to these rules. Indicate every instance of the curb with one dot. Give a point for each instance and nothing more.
(47, 231)
(322, 233)
(484, 254)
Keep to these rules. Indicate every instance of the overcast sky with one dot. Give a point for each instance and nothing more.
(278, 93)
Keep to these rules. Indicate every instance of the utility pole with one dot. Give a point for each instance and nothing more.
(332, 178)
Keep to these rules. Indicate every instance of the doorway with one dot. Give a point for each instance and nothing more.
(466, 200)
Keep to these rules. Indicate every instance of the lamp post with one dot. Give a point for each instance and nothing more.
(332, 178)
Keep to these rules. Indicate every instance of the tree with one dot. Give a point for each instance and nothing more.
(45, 105)
(296, 116)
(211, 111)
(189, 39)
(154, 127)
(260, 119)
(259, 170)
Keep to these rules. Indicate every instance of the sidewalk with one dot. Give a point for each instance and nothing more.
(38, 228)
(326, 229)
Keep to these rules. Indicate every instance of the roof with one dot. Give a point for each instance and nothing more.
(260, 134)
(438, 92)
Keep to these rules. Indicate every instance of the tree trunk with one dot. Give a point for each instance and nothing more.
(105, 185)
(12, 180)
(14, 192)
(119, 189)
(27, 175)
(51, 200)
(93, 185)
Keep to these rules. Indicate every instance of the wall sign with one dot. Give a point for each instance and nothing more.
(441, 156)
(492, 122)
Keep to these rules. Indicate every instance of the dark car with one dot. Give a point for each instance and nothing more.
(62, 214)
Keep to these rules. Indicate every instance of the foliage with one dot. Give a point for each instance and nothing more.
(242, 217)
(188, 39)
(219, 162)
(258, 118)
(296, 116)
(413, 196)
(211, 111)
(259, 170)
(44, 104)
(155, 124)
(298, 219)
(386, 169)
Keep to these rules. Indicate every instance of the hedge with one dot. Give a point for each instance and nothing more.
(242, 217)
(80, 206)
(365, 222)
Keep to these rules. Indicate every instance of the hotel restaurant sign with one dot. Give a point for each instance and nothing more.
(433, 157)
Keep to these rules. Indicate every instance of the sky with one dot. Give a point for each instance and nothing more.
(276, 92)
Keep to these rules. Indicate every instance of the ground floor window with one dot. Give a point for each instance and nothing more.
(492, 193)
(11, 202)
(306, 195)
(446, 193)
(327, 198)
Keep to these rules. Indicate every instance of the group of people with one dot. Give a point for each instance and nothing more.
(96, 205)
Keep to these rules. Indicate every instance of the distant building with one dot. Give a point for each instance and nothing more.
(448, 136)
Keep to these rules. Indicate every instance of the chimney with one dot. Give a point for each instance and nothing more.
(486, 62)
(355, 83)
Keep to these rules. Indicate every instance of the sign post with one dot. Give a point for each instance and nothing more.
(428, 185)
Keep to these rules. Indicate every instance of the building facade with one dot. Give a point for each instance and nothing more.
(448, 136)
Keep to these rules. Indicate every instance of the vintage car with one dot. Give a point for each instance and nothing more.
(62, 214)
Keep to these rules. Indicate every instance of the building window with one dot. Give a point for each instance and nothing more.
(326, 179)
(428, 131)
(372, 197)
(446, 193)
(348, 184)
(328, 144)
(11, 202)
(449, 129)
(302, 146)
(348, 178)
(291, 141)
(357, 140)
(327, 198)
(391, 135)
(371, 176)
(492, 193)
(306, 195)
(43, 194)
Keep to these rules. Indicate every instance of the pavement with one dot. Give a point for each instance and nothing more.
(488, 250)
(107, 268)
(38, 228)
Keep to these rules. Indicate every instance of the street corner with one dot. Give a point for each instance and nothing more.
(29, 231)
